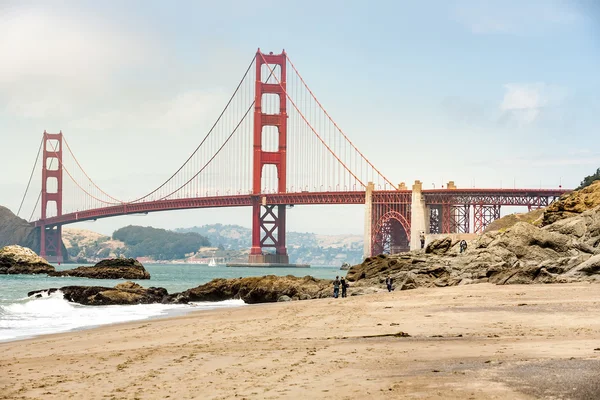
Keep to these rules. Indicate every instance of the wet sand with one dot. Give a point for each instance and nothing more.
(467, 342)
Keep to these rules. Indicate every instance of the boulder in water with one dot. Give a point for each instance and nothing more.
(21, 260)
(122, 294)
(117, 268)
(264, 289)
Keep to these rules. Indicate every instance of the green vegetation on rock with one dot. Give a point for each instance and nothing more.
(588, 180)
(159, 244)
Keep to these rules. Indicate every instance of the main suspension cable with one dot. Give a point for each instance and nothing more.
(334, 123)
(87, 176)
(31, 176)
(203, 140)
(308, 123)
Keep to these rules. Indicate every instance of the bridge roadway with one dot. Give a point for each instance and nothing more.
(505, 197)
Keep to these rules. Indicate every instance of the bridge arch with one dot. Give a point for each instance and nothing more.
(391, 234)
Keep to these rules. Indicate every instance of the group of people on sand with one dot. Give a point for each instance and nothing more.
(337, 283)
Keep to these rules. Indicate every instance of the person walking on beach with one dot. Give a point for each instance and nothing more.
(388, 283)
(344, 286)
(336, 287)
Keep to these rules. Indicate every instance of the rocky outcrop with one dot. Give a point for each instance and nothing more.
(532, 217)
(17, 231)
(567, 250)
(573, 203)
(21, 260)
(122, 294)
(263, 289)
(117, 268)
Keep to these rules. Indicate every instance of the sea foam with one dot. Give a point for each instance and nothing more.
(31, 317)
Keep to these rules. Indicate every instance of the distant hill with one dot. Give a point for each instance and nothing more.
(305, 247)
(15, 230)
(83, 245)
(159, 244)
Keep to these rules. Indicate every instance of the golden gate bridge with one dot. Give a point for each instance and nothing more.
(273, 146)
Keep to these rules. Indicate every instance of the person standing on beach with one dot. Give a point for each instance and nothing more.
(336, 287)
(388, 283)
(344, 286)
(422, 238)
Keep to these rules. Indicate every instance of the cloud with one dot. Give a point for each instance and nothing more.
(36, 43)
(525, 103)
(515, 17)
(51, 60)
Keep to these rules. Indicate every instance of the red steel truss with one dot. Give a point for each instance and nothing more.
(390, 221)
(459, 218)
(483, 215)
(502, 197)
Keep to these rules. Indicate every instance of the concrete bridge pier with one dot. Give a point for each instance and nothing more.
(368, 238)
(419, 216)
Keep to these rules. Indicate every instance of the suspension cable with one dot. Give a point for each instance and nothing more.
(221, 147)
(36, 204)
(334, 123)
(213, 157)
(86, 175)
(308, 123)
(31, 176)
(203, 140)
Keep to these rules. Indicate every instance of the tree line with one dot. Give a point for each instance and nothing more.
(160, 244)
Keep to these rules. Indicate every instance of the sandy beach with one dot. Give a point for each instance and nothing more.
(466, 342)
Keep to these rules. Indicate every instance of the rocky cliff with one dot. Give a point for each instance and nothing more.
(572, 204)
(15, 230)
(564, 248)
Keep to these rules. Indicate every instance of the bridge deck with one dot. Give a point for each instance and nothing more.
(511, 197)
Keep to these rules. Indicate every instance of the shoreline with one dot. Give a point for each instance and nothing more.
(476, 341)
(176, 311)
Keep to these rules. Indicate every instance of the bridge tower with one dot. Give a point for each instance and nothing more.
(268, 221)
(52, 186)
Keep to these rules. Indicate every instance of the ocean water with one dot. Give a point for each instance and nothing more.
(23, 317)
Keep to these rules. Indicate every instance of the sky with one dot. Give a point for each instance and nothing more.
(485, 93)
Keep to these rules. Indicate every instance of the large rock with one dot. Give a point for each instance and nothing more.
(117, 268)
(122, 294)
(566, 251)
(21, 260)
(439, 246)
(573, 203)
(265, 289)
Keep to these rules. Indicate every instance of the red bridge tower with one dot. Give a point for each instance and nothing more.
(268, 221)
(52, 186)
